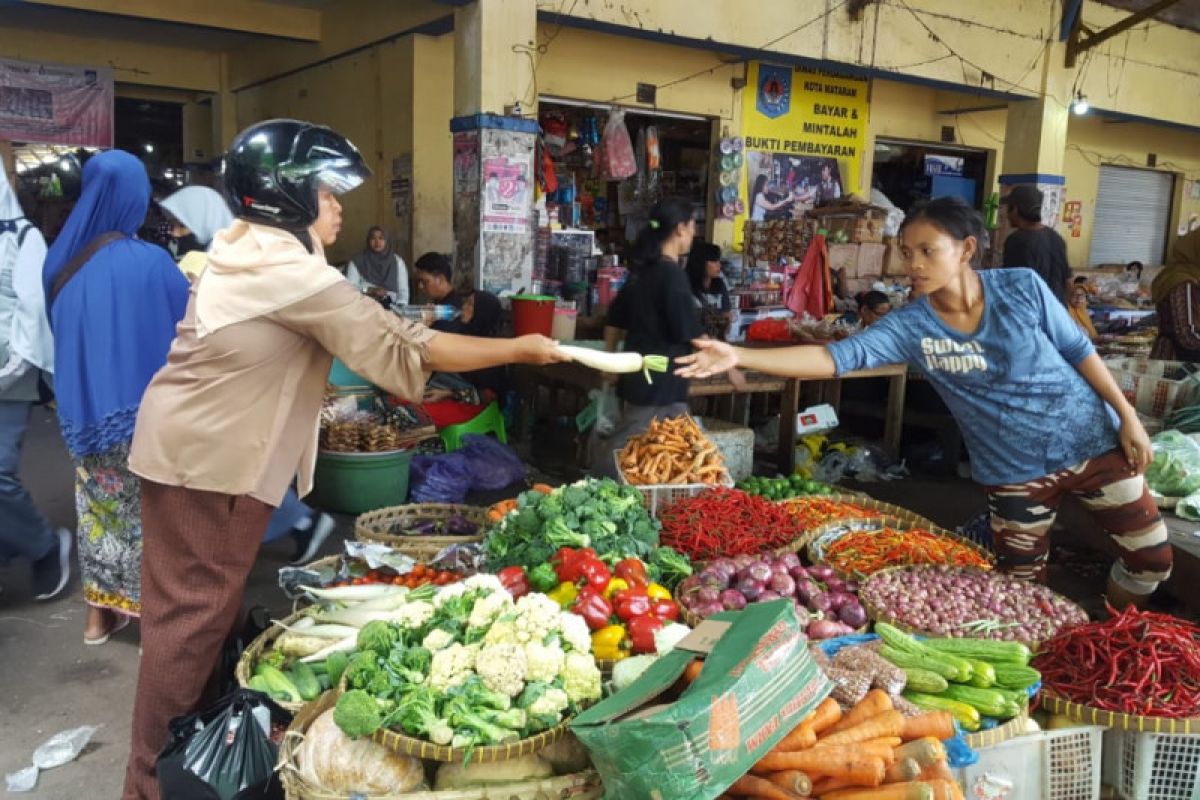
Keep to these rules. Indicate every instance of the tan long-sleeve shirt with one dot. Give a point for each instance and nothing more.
(237, 411)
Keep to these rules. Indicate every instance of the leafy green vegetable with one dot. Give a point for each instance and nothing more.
(600, 514)
(668, 567)
(358, 714)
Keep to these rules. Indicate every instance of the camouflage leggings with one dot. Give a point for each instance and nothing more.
(1118, 501)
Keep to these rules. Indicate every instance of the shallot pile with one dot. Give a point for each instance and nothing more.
(958, 601)
(826, 605)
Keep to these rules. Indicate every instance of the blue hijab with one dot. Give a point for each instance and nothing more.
(115, 319)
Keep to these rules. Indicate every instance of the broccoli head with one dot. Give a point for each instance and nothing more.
(365, 672)
(471, 721)
(550, 508)
(416, 714)
(480, 696)
(378, 637)
(418, 659)
(526, 521)
(558, 534)
(357, 714)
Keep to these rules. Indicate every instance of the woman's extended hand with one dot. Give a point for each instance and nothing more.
(1136, 443)
(537, 349)
(710, 358)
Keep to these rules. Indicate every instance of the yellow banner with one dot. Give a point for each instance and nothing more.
(805, 138)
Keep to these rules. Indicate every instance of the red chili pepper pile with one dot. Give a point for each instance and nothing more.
(1137, 662)
(769, 330)
(726, 522)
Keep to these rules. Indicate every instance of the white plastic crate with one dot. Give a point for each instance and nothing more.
(1048, 765)
(1155, 388)
(1152, 766)
(660, 495)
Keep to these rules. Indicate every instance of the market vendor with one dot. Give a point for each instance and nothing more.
(872, 307)
(1079, 311)
(232, 418)
(709, 291)
(1041, 415)
(1176, 293)
(655, 315)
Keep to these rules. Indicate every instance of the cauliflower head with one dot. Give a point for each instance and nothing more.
(575, 634)
(544, 661)
(502, 668)
(538, 617)
(488, 608)
(414, 615)
(581, 677)
(448, 593)
(486, 582)
(438, 639)
(451, 667)
(503, 631)
(552, 703)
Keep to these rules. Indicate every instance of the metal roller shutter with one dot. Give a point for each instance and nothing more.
(1133, 212)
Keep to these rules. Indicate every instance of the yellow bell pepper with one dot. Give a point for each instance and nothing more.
(658, 592)
(609, 643)
(564, 594)
(615, 585)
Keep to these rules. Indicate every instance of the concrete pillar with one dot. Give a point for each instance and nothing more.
(198, 133)
(494, 52)
(224, 111)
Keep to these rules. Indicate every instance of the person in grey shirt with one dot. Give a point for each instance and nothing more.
(1032, 244)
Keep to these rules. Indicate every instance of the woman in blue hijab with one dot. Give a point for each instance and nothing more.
(113, 321)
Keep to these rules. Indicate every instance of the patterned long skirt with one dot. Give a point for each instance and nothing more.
(109, 506)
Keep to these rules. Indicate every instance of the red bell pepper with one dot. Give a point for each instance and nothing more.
(594, 609)
(568, 563)
(633, 572)
(666, 610)
(514, 580)
(596, 573)
(632, 603)
(641, 632)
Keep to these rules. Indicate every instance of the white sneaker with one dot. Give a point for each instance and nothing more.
(316, 535)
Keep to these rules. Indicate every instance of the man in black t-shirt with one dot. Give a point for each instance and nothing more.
(1032, 244)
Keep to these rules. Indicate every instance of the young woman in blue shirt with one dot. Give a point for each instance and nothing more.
(1041, 415)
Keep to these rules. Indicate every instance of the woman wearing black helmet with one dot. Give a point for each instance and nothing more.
(231, 420)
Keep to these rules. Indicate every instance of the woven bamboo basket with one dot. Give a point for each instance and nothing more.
(1115, 719)
(382, 525)
(407, 745)
(578, 786)
(1001, 733)
(826, 534)
(244, 670)
(879, 615)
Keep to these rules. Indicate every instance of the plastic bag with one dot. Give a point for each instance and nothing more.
(61, 748)
(608, 410)
(440, 479)
(1175, 471)
(224, 753)
(619, 161)
(493, 465)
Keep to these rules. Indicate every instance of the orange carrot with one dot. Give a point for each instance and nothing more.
(761, 787)
(889, 723)
(800, 739)
(826, 715)
(876, 702)
(938, 724)
(914, 790)
(793, 780)
(943, 789)
(904, 770)
(692, 671)
(835, 762)
(879, 748)
(862, 779)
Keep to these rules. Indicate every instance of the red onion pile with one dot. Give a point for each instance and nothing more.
(958, 601)
(825, 605)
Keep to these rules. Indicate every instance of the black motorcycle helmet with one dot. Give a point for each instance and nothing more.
(274, 168)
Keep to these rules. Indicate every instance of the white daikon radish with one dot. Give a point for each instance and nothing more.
(366, 591)
(333, 631)
(357, 617)
(343, 646)
(625, 362)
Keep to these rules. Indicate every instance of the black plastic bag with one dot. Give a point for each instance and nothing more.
(224, 753)
(222, 682)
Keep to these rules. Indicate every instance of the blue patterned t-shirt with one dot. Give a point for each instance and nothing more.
(1012, 385)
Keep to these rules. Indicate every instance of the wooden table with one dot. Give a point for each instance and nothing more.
(578, 380)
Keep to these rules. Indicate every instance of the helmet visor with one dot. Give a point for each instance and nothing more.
(341, 178)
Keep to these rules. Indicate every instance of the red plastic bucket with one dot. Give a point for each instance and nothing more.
(533, 313)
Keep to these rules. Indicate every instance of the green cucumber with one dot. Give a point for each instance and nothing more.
(906, 660)
(986, 701)
(305, 680)
(983, 650)
(923, 680)
(1014, 676)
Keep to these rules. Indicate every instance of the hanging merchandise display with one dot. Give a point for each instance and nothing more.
(729, 165)
(616, 160)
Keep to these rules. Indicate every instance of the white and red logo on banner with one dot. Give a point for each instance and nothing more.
(53, 104)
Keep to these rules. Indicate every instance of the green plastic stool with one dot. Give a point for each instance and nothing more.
(490, 420)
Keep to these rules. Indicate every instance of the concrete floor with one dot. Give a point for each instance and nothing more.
(52, 681)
